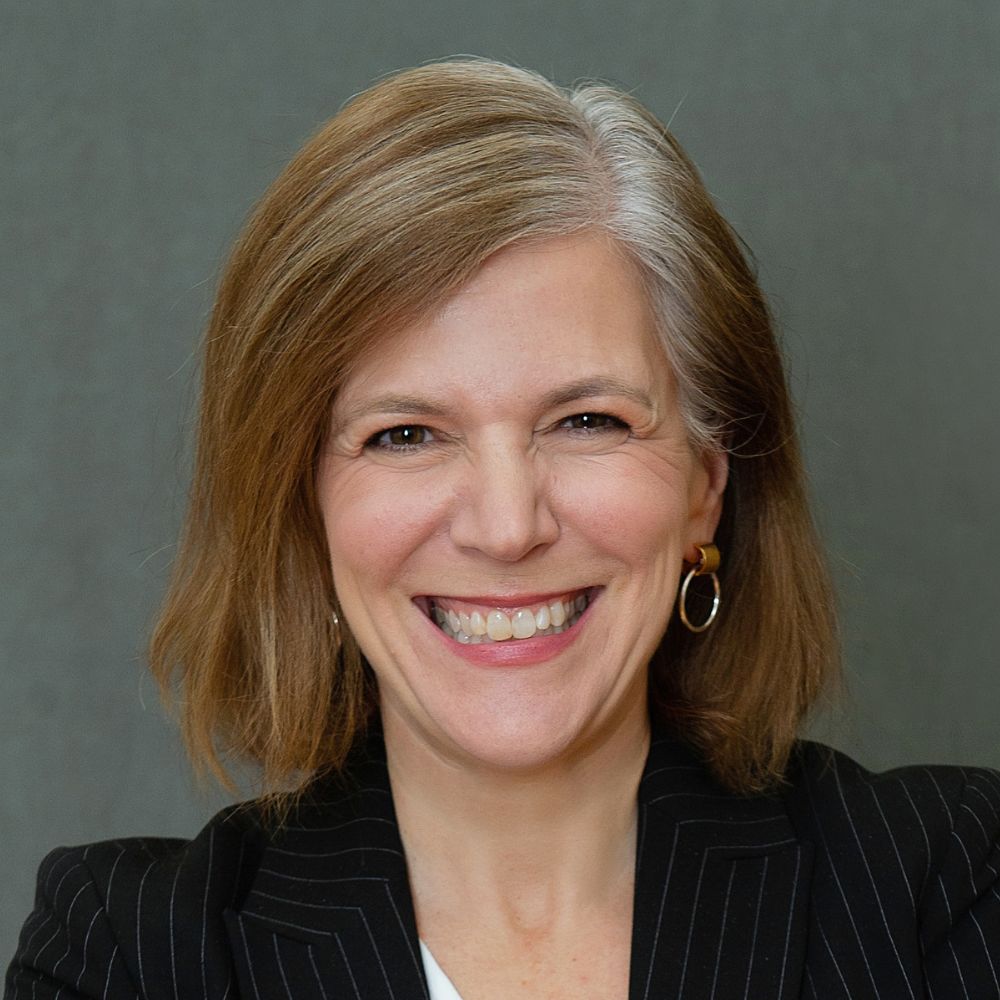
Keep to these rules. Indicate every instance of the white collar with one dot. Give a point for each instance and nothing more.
(438, 984)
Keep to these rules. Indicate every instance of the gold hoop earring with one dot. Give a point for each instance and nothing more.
(707, 564)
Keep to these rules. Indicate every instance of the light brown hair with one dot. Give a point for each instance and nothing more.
(390, 207)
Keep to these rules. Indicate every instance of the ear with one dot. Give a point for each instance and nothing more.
(708, 487)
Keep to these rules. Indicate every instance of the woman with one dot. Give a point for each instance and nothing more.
(489, 387)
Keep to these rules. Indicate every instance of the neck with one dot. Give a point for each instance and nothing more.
(527, 849)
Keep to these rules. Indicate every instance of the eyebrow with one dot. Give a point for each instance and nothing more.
(599, 385)
(412, 405)
(585, 388)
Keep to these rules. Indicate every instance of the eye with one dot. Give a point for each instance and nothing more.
(589, 423)
(405, 437)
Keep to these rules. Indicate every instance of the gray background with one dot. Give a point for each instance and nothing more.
(856, 146)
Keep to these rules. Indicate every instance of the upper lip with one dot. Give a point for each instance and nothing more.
(510, 600)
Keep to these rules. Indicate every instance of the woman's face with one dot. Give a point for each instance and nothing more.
(516, 463)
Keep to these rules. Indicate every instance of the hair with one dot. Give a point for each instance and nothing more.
(387, 210)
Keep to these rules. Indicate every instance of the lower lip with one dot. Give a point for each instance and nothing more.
(514, 652)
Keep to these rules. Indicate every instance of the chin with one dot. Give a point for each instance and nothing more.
(512, 739)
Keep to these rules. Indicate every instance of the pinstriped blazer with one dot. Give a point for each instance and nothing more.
(845, 884)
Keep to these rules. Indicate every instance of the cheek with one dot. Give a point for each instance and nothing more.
(632, 510)
(373, 522)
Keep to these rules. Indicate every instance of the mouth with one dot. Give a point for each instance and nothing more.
(483, 622)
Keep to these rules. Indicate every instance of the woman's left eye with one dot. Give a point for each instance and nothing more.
(405, 437)
(594, 422)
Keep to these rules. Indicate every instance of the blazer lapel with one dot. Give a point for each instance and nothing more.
(721, 888)
(329, 913)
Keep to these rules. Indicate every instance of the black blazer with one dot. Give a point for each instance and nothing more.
(847, 884)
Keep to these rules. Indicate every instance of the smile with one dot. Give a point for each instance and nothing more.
(473, 624)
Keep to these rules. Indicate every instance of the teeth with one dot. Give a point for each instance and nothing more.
(499, 626)
(523, 624)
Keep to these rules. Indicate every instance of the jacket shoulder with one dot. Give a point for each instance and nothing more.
(917, 840)
(137, 915)
(824, 783)
(909, 814)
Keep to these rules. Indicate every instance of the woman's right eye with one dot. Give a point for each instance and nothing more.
(405, 437)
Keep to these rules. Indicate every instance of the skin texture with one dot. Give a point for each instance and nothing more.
(518, 777)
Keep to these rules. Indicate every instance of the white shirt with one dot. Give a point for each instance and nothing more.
(439, 985)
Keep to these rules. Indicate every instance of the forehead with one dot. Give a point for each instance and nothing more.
(534, 315)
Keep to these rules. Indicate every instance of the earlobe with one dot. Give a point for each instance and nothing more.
(707, 510)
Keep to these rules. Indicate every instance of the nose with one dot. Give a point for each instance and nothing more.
(504, 504)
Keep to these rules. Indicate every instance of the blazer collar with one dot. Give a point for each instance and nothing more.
(721, 891)
(722, 887)
(329, 913)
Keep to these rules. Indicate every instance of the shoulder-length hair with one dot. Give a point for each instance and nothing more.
(387, 210)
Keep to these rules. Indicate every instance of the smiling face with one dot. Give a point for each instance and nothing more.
(508, 493)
